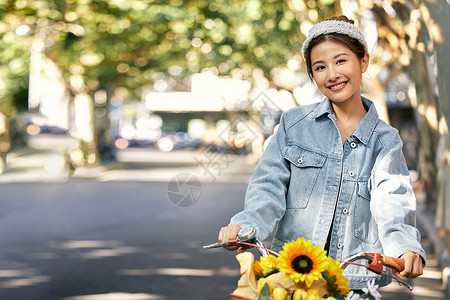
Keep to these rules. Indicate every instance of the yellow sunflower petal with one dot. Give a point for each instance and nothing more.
(301, 261)
(266, 266)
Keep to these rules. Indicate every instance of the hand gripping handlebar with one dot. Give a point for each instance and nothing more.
(246, 236)
(376, 262)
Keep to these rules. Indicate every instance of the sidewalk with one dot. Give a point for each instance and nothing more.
(30, 165)
(41, 161)
(434, 245)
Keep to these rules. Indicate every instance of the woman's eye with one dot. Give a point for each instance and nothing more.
(341, 61)
(319, 68)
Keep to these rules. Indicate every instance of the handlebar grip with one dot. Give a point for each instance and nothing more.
(394, 262)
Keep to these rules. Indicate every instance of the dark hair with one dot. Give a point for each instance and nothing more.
(342, 39)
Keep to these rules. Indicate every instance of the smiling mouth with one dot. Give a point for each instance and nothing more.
(338, 87)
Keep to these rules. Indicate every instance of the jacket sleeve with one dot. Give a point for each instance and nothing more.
(265, 199)
(393, 203)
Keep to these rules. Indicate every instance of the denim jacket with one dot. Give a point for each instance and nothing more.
(310, 184)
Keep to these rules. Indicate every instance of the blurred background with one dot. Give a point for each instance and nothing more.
(123, 121)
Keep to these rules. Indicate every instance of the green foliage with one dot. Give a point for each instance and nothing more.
(331, 282)
(132, 43)
(265, 293)
(266, 273)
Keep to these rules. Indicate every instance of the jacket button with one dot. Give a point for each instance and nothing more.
(300, 160)
(353, 144)
(339, 246)
(351, 173)
(345, 210)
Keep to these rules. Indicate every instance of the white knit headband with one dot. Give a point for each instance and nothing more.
(333, 26)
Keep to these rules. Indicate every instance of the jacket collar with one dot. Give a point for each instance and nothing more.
(365, 127)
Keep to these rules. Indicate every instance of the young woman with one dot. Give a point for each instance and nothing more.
(334, 173)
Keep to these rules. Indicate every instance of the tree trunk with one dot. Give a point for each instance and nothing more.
(376, 92)
(436, 16)
(427, 120)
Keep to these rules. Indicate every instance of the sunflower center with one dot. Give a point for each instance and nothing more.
(302, 264)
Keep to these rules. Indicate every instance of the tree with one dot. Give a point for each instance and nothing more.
(124, 47)
(415, 34)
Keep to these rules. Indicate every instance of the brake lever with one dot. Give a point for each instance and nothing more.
(389, 273)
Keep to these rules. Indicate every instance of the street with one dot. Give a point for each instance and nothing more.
(85, 237)
(118, 239)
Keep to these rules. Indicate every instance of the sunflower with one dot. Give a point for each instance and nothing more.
(266, 266)
(337, 283)
(301, 261)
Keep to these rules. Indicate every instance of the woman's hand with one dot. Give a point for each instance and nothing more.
(413, 265)
(229, 233)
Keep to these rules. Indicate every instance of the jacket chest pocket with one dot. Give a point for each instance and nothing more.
(305, 169)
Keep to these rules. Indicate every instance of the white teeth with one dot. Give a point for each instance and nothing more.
(337, 86)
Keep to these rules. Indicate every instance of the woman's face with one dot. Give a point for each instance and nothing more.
(337, 71)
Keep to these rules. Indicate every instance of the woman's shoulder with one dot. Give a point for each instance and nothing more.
(298, 113)
(386, 134)
(383, 127)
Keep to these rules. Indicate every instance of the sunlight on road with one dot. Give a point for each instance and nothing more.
(19, 278)
(16, 273)
(88, 244)
(428, 292)
(101, 253)
(180, 272)
(17, 283)
(170, 272)
(93, 249)
(117, 296)
(432, 274)
(423, 287)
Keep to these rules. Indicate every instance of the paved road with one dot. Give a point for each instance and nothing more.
(86, 237)
(128, 240)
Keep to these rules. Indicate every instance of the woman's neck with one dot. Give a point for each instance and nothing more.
(348, 117)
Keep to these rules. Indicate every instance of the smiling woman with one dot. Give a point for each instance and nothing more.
(337, 72)
(333, 169)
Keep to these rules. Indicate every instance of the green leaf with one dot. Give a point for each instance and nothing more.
(333, 288)
(265, 292)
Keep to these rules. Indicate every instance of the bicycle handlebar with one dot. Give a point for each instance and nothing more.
(247, 237)
(394, 262)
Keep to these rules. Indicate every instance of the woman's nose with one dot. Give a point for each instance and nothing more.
(332, 74)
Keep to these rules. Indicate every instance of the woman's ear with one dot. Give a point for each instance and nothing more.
(365, 62)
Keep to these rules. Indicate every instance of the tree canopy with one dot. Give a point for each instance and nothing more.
(134, 43)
